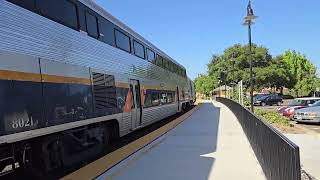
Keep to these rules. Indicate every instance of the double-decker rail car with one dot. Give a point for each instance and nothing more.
(192, 91)
(73, 78)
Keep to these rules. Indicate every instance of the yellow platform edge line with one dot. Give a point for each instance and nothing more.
(100, 166)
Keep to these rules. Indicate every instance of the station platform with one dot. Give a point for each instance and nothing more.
(209, 144)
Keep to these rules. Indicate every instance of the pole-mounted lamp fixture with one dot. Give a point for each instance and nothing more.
(249, 22)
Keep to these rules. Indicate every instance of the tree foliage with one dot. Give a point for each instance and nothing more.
(291, 70)
(204, 84)
(302, 71)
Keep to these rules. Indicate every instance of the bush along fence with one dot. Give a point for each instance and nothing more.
(277, 155)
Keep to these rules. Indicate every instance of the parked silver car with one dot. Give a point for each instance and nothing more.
(310, 114)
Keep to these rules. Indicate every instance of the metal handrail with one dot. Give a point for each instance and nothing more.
(278, 156)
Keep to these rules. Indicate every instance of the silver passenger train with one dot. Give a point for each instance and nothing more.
(73, 78)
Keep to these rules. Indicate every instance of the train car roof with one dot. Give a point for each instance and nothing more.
(100, 10)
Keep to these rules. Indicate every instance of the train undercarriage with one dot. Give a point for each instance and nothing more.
(56, 151)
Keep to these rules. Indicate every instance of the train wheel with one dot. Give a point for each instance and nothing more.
(43, 156)
(183, 108)
(52, 154)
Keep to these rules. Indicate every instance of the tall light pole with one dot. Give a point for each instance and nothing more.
(249, 22)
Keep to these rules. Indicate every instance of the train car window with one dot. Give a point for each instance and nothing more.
(171, 67)
(27, 4)
(163, 98)
(155, 99)
(148, 100)
(92, 25)
(138, 49)
(106, 31)
(174, 68)
(168, 64)
(122, 41)
(170, 97)
(165, 63)
(159, 60)
(61, 11)
(150, 55)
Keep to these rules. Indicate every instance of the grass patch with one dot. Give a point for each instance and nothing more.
(272, 117)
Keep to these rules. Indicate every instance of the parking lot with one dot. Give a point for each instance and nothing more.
(274, 107)
(314, 127)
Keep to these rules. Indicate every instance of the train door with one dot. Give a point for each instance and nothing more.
(136, 113)
(178, 98)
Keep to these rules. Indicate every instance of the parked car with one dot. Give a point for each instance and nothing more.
(256, 96)
(309, 114)
(317, 103)
(295, 104)
(268, 100)
(285, 96)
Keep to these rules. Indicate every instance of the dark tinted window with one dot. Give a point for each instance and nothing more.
(159, 60)
(310, 101)
(163, 98)
(148, 100)
(106, 31)
(150, 55)
(170, 97)
(155, 98)
(137, 89)
(138, 49)
(92, 25)
(171, 67)
(174, 68)
(165, 63)
(28, 4)
(122, 41)
(169, 64)
(62, 11)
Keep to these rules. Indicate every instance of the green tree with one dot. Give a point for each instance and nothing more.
(275, 75)
(204, 84)
(291, 70)
(235, 60)
(302, 72)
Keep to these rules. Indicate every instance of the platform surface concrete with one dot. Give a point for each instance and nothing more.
(309, 152)
(210, 144)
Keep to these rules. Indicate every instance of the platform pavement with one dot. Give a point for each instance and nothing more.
(210, 144)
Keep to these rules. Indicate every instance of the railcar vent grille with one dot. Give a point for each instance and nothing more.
(104, 92)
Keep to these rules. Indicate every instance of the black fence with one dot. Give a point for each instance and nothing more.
(277, 155)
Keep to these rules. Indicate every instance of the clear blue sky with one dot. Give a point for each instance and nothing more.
(190, 31)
